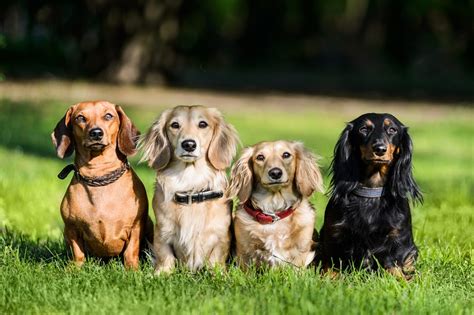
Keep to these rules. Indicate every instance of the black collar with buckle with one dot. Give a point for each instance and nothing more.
(187, 198)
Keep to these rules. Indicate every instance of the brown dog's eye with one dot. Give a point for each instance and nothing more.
(260, 157)
(174, 125)
(392, 130)
(286, 155)
(108, 116)
(203, 124)
(80, 119)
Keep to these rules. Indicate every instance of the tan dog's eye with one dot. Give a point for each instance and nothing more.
(364, 130)
(174, 125)
(80, 119)
(203, 124)
(260, 157)
(286, 155)
(108, 116)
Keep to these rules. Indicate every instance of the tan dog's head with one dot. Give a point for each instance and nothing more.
(188, 134)
(93, 127)
(275, 166)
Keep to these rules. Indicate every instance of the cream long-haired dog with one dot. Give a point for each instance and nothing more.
(274, 223)
(190, 147)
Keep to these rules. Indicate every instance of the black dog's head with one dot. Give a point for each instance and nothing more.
(374, 142)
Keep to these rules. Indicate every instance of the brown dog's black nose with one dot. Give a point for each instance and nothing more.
(96, 134)
(275, 173)
(188, 145)
(379, 149)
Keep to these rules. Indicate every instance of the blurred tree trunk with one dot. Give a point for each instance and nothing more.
(148, 52)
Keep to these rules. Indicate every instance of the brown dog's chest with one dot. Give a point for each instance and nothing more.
(103, 216)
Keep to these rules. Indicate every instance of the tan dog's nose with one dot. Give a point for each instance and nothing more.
(275, 173)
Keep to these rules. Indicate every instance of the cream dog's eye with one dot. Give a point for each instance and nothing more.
(174, 125)
(203, 124)
(80, 119)
(286, 155)
(108, 116)
(260, 157)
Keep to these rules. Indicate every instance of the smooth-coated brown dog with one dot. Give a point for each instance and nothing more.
(105, 209)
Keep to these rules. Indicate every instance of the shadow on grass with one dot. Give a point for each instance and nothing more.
(32, 250)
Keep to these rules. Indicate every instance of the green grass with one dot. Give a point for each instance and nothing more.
(36, 276)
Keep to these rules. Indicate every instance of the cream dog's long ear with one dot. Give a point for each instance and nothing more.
(62, 136)
(223, 146)
(155, 144)
(241, 180)
(308, 177)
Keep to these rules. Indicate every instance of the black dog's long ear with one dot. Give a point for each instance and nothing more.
(128, 134)
(62, 136)
(402, 182)
(343, 166)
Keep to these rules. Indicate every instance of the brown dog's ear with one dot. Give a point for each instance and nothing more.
(62, 136)
(308, 178)
(224, 142)
(241, 177)
(155, 144)
(128, 134)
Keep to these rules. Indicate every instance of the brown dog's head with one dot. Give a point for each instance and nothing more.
(188, 134)
(94, 126)
(275, 166)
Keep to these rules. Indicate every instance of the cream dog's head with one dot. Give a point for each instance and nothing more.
(275, 167)
(188, 134)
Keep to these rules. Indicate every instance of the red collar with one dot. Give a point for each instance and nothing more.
(264, 218)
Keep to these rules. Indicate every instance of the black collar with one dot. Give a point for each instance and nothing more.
(187, 199)
(95, 181)
(367, 192)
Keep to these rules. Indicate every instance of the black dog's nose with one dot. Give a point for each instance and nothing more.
(275, 173)
(188, 145)
(379, 149)
(96, 134)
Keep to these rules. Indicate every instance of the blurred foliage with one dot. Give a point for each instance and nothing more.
(160, 41)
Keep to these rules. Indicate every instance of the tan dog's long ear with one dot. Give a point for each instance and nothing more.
(223, 146)
(128, 134)
(156, 146)
(242, 177)
(62, 136)
(308, 178)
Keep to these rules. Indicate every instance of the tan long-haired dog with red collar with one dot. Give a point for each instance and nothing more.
(274, 222)
(190, 147)
(105, 209)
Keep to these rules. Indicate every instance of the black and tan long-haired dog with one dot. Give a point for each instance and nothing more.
(368, 220)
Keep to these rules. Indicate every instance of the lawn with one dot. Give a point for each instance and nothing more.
(36, 277)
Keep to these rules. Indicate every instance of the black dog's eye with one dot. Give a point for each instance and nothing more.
(108, 116)
(80, 119)
(392, 131)
(364, 130)
(286, 155)
(203, 124)
(260, 157)
(174, 125)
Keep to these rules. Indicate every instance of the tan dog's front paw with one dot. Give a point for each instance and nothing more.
(163, 270)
